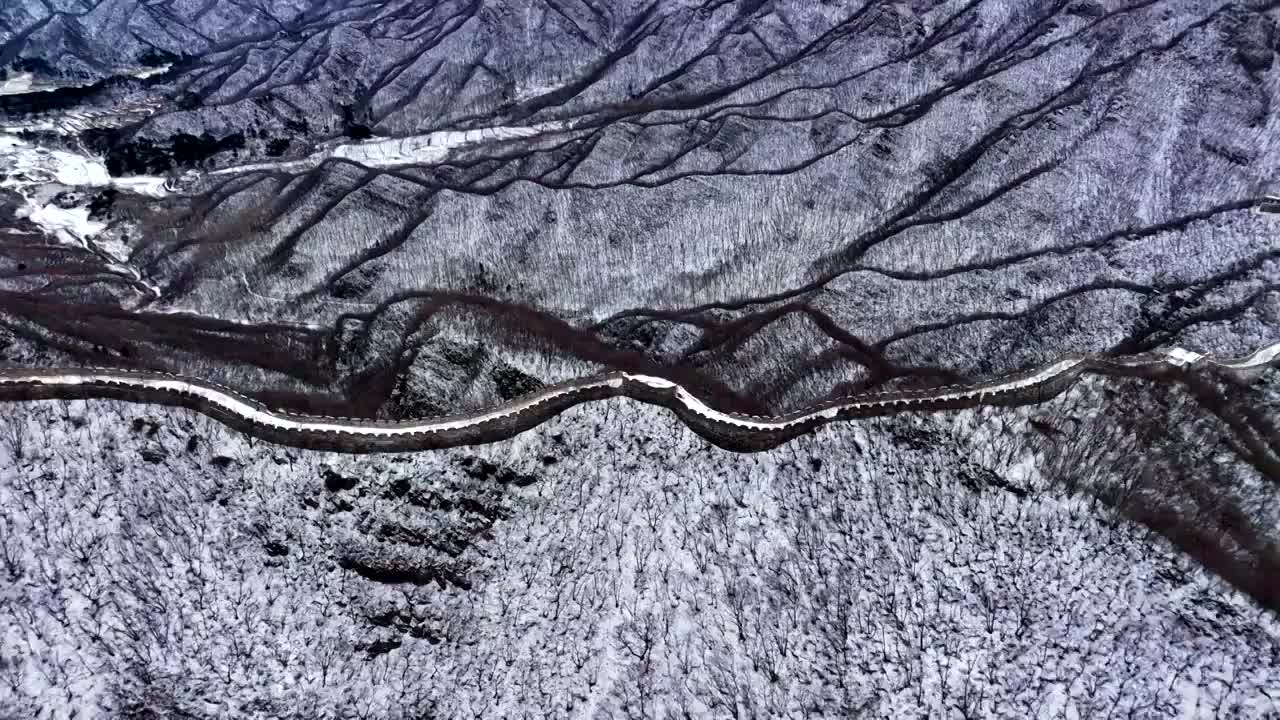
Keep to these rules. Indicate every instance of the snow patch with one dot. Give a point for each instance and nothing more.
(71, 226)
(427, 149)
(653, 382)
(39, 174)
(25, 165)
(1183, 357)
(145, 73)
(17, 84)
(1262, 357)
(434, 147)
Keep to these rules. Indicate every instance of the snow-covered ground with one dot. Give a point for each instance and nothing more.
(16, 84)
(71, 226)
(25, 165)
(434, 147)
(37, 174)
(145, 73)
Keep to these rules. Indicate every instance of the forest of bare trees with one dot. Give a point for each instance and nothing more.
(988, 563)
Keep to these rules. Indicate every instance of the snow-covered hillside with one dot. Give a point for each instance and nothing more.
(412, 224)
(608, 564)
(780, 201)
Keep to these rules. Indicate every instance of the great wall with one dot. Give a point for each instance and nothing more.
(728, 430)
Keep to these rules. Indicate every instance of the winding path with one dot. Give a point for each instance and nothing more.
(728, 430)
